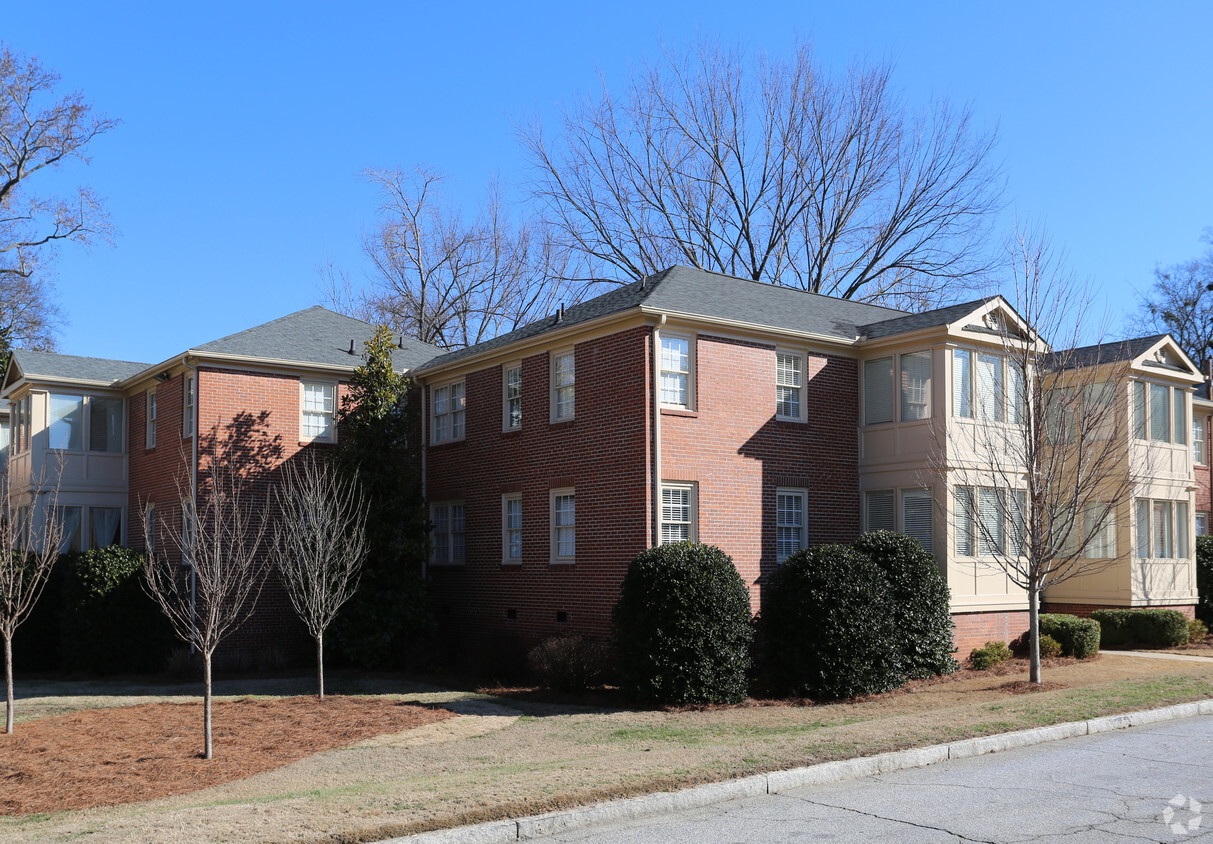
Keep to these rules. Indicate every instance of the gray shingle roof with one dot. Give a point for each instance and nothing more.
(316, 335)
(926, 319)
(50, 365)
(1114, 352)
(700, 293)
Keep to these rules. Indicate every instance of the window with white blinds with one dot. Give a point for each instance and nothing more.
(964, 517)
(991, 538)
(1017, 529)
(1016, 384)
(991, 389)
(1181, 529)
(1143, 527)
(878, 391)
(879, 505)
(677, 513)
(915, 386)
(789, 522)
(916, 516)
(1162, 529)
(1160, 413)
(789, 379)
(1139, 410)
(962, 383)
(1180, 416)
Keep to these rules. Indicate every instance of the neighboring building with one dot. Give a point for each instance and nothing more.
(122, 439)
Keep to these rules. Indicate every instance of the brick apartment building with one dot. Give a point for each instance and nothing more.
(689, 405)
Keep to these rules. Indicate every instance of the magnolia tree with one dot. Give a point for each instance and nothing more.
(1043, 477)
(319, 543)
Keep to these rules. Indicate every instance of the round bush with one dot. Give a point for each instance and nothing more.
(920, 602)
(1078, 637)
(829, 618)
(985, 658)
(1050, 648)
(682, 625)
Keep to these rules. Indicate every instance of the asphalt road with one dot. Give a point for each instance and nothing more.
(1142, 784)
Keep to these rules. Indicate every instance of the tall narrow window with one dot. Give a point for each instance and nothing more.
(513, 397)
(915, 386)
(150, 439)
(1017, 385)
(964, 516)
(449, 410)
(1160, 413)
(1199, 442)
(1162, 529)
(675, 371)
(564, 377)
(916, 517)
(511, 528)
(149, 526)
(878, 391)
(1202, 524)
(1017, 527)
(991, 539)
(879, 505)
(789, 522)
(1140, 423)
(962, 383)
(564, 525)
(69, 517)
(1099, 525)
(1143, 528)
(448, 535)
(1180, 417)
(1181, 529)
(316, 421)
(187, 407)
(991, 390)
(65, 422)
(789, 380)
(104, 424)
(677, 513)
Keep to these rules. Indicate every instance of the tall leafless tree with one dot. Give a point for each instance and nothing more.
(39, 130)
(448, 280)
(31, 536)
(1041, 494)
(319, 543)
(205, 571)
(1181, 304)
(773, 170)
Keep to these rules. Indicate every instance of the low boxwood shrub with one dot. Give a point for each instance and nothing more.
(682, 626)
(920, 602)
(829, 618)
(1050, 648)
(569, 663)
(985, 658)
(1078, 637)
(1148, 628)
(109, 624)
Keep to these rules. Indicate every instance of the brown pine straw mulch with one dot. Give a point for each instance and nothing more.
(103, 757)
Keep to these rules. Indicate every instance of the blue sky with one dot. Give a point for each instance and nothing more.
(235, 173)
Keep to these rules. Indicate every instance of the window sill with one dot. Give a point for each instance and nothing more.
(303, 443)
(680, 411)
(445, 443)
(517, 430)
(562, 421)
(513, 564)
(791, 420)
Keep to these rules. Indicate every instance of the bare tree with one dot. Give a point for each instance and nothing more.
(31, 536)
(210, 585)
(1041, 494)
(37, 131)
(446, 280)
(1181, 303)
(773, 170)
(319, 543)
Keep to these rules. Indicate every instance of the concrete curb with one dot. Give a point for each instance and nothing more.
(664, 802)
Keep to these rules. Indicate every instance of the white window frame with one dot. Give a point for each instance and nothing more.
(447, 524)
(900, 387)
(1202, 522)
(554, 392)
(150, 420)
(802, 388)
(445, 433)
(688, 373)
(691, 489)
(804, 519)
(1200, 442)
(304, 411)
(507, 532)
(1102, 544)
(965, 522)
(189, 392)
(554, 532)
(506, 418)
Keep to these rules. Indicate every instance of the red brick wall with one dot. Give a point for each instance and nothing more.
(602, 453)
(161, 474)
(1204, 503)
(974, 629)
(1085, 610)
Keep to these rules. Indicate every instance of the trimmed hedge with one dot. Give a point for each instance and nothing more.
(109, 624)
(829, 619)
(682, 625)
(920, 600)
(1204, 578)
(1078, 637)
(1151, 628)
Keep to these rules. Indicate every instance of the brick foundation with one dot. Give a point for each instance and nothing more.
(1085, 610)
(974, 629)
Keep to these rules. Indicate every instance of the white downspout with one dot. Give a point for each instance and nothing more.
(657, 432)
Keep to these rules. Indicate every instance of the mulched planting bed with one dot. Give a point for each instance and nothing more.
(104, 757)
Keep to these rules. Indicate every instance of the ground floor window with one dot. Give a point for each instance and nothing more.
(790, 522)
(677, 513)
(1162, 529)
(564, 525)
(511, 529)
(448, 537)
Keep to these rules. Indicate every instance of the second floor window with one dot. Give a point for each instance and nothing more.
(564, 377)
(789, 380)
(76, 423)
(450, 406)
(4, 440)
(65, 422)
(675, 371)
(316, 421)
(513, 397)
(187, 407)
(1199, 442)
(150, 437)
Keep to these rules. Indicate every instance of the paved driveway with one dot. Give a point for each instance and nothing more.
(1143, 784)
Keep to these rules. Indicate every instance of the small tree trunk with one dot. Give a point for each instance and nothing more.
(8, 683)
(1034, 634)
(320, 664)
(206, 702)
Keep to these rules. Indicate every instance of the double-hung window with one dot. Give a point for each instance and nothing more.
(150, 436)
(878, 391)
(564, 377)
(790, 522)
(1160, 414)
(789, 386)
(1199, 441)
(511, 396)
(511, 528)
(316, 419)
(915, 386)
(448, 536)
(677, 513)
(564, 525)
(187, 406)
(450, 406)
(676, 381)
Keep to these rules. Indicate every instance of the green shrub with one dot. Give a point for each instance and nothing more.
(1050, 648)
(1197, 630)
(829, 618)
(983, 659)
(567, 663)
(1204, 578)
(1147, 628)
(920, 602)
(682, 625)
(1078, 637)
(109, 624)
